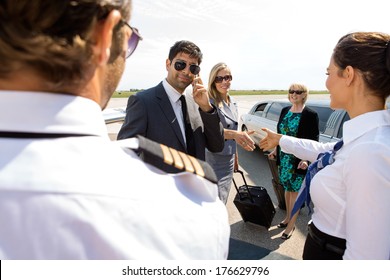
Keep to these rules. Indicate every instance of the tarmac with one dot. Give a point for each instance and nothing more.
(263, 238)
(250, 241)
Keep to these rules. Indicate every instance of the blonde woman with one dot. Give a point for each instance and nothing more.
(299, 121)
(224, 163)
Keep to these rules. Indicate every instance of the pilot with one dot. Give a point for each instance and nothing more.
(66, 190)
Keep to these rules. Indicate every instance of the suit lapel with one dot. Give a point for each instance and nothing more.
(168, 112)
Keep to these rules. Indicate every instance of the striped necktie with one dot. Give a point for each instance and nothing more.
(323, 160)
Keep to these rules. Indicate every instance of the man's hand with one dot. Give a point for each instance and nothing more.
(200, 94)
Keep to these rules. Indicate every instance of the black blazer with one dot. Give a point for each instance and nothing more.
(308, 129)
(149, 113)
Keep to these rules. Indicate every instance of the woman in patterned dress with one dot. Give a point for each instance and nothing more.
(302, 122)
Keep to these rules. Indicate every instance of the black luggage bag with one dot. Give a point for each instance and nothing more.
(278, 188)
(254, 203)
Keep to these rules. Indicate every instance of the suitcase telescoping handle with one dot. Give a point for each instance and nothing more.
(245, 184)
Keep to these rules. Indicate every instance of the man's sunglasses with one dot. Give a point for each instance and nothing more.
(219, 79)
(299, 92)
(181, 65)
(132, 43)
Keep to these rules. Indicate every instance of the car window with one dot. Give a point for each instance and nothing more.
(331, 125)
(260, 109)
(340, 133)
(274, 111)
(323, 115)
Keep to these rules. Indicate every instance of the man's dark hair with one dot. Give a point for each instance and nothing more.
(186, 47)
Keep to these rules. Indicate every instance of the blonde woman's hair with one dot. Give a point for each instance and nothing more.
(302, 87)
(213, 92)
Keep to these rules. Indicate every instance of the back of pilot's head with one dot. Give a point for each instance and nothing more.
(53, 38)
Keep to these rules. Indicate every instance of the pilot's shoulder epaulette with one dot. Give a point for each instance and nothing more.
(179, 160)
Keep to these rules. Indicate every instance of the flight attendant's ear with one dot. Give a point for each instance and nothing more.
(349, 74)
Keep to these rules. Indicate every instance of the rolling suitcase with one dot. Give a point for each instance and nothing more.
(278, 188)
(254, 203)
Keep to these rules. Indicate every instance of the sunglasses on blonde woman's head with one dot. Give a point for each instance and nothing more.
(133, 41)
(292, 91)
(181, 65)
(219, 79)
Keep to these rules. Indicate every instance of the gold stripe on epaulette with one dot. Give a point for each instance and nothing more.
(198, 168)
(187, 162)
(166, 154)
(178, 163)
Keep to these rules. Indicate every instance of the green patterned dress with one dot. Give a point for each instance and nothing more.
(290, 180)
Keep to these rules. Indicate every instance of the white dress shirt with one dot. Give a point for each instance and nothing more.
(174, 98)
(87, 198)
(351, 196)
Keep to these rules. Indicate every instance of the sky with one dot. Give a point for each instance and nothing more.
(268, 44)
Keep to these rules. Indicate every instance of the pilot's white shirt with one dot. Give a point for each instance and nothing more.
(87, 198)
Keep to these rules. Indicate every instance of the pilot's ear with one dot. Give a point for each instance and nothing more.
(102, 36)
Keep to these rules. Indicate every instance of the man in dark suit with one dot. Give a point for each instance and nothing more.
(158, 114)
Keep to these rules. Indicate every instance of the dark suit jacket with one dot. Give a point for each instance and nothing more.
(149, 113)
(308, 129)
